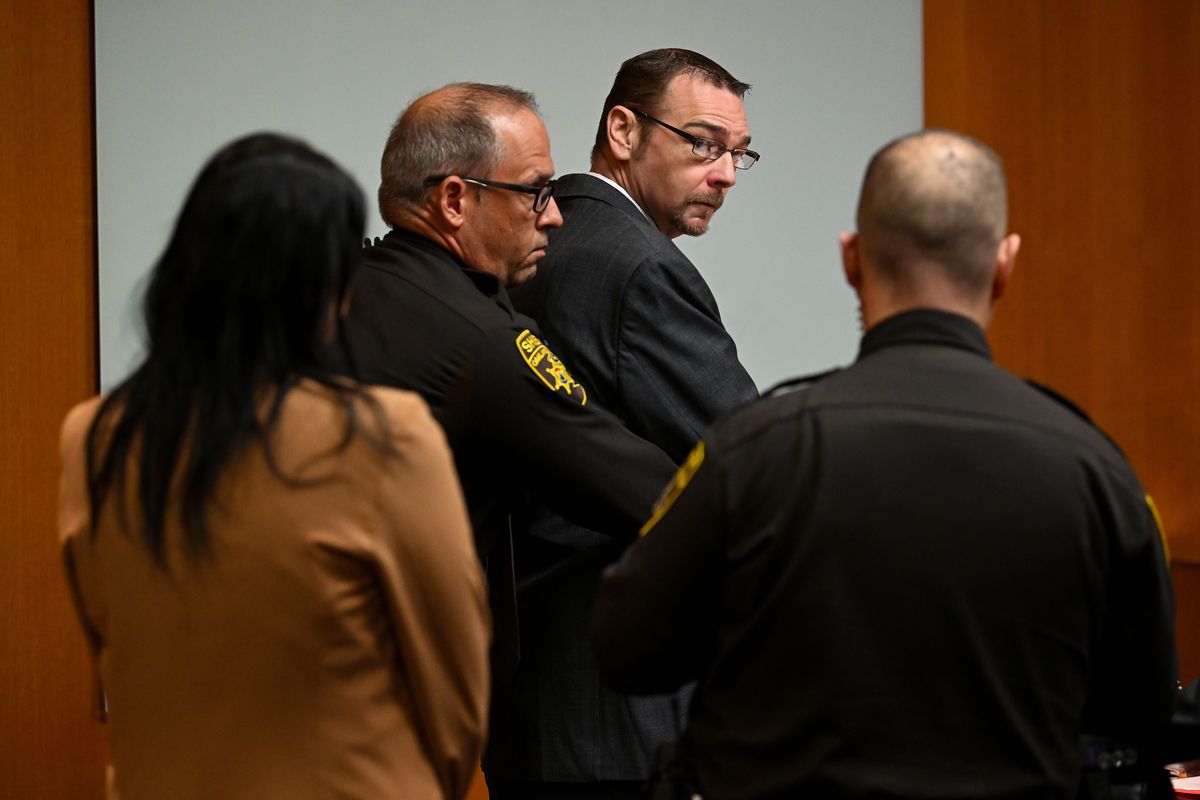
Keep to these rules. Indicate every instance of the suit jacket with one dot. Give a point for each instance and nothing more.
(334, 644)
(634, 318)
(642, 331)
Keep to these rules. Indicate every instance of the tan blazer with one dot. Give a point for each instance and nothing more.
(334, 645)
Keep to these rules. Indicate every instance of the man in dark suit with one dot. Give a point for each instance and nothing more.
(919, 576)
(640, 327)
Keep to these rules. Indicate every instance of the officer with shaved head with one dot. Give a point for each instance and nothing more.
(918, 576)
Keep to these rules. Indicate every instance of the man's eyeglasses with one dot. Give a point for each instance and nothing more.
(541, 194)
(708, 149)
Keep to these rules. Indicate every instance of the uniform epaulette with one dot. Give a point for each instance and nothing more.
(801, 382)
(1061, 399)
(1070, 405)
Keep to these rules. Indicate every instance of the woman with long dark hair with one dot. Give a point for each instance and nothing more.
(272, 563)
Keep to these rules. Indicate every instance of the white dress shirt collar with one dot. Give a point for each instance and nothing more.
(621, 189)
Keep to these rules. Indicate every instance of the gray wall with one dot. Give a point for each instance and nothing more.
(833, 80)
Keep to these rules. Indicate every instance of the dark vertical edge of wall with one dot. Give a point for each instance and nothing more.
(95, 322)
(51, 745)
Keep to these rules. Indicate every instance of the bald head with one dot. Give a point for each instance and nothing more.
(934, 207)
(449, 131)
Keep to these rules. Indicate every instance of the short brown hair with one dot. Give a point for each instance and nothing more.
(642, 81)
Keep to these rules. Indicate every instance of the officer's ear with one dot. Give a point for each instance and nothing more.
(448, 201)
(851, 259)
(623, 132)
(1006, 262)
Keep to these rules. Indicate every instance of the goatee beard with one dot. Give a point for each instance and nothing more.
(696, 227)
(692, 228)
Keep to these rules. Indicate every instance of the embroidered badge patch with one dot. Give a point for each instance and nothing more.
(1162, 534)
(675, 488)
(549, 368)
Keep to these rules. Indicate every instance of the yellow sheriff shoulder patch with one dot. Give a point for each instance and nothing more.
(683, 477)
(1162, 534)
(549, 367)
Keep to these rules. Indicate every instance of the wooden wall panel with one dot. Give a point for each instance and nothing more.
(49, 745)
(1094, 105)
(1187, 609)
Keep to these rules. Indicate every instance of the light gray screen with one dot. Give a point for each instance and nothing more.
(832, 81)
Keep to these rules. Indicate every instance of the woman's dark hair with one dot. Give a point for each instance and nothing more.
(239, 307)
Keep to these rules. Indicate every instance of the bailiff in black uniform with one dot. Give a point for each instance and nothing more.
(918, 576)
(513, 415)
(466, 185)
(515, 418)
(915, 577)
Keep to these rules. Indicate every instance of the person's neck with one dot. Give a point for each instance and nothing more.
(423, 226)
(619, 175)
(601, 165)
(881, 306)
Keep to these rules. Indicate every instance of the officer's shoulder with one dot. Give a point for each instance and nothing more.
(519, 349)
(783, 404)
(1061, 399)
(1066, 403)
(799, 383)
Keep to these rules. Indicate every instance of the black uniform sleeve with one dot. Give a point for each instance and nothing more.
(1134, 674)
(577, 460)
(655, 618)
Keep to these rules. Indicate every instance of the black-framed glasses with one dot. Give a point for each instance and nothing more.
(708, 149)
(541, 194)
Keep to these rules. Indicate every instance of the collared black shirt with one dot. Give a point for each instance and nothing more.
(918, 577)
(516, 420)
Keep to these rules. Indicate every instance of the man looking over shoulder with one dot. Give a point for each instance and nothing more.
(934, 577)
(632, 312)
(466, 185)
(640, 327)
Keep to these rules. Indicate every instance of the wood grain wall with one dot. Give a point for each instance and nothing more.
(49, 745)
(1094, 105)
